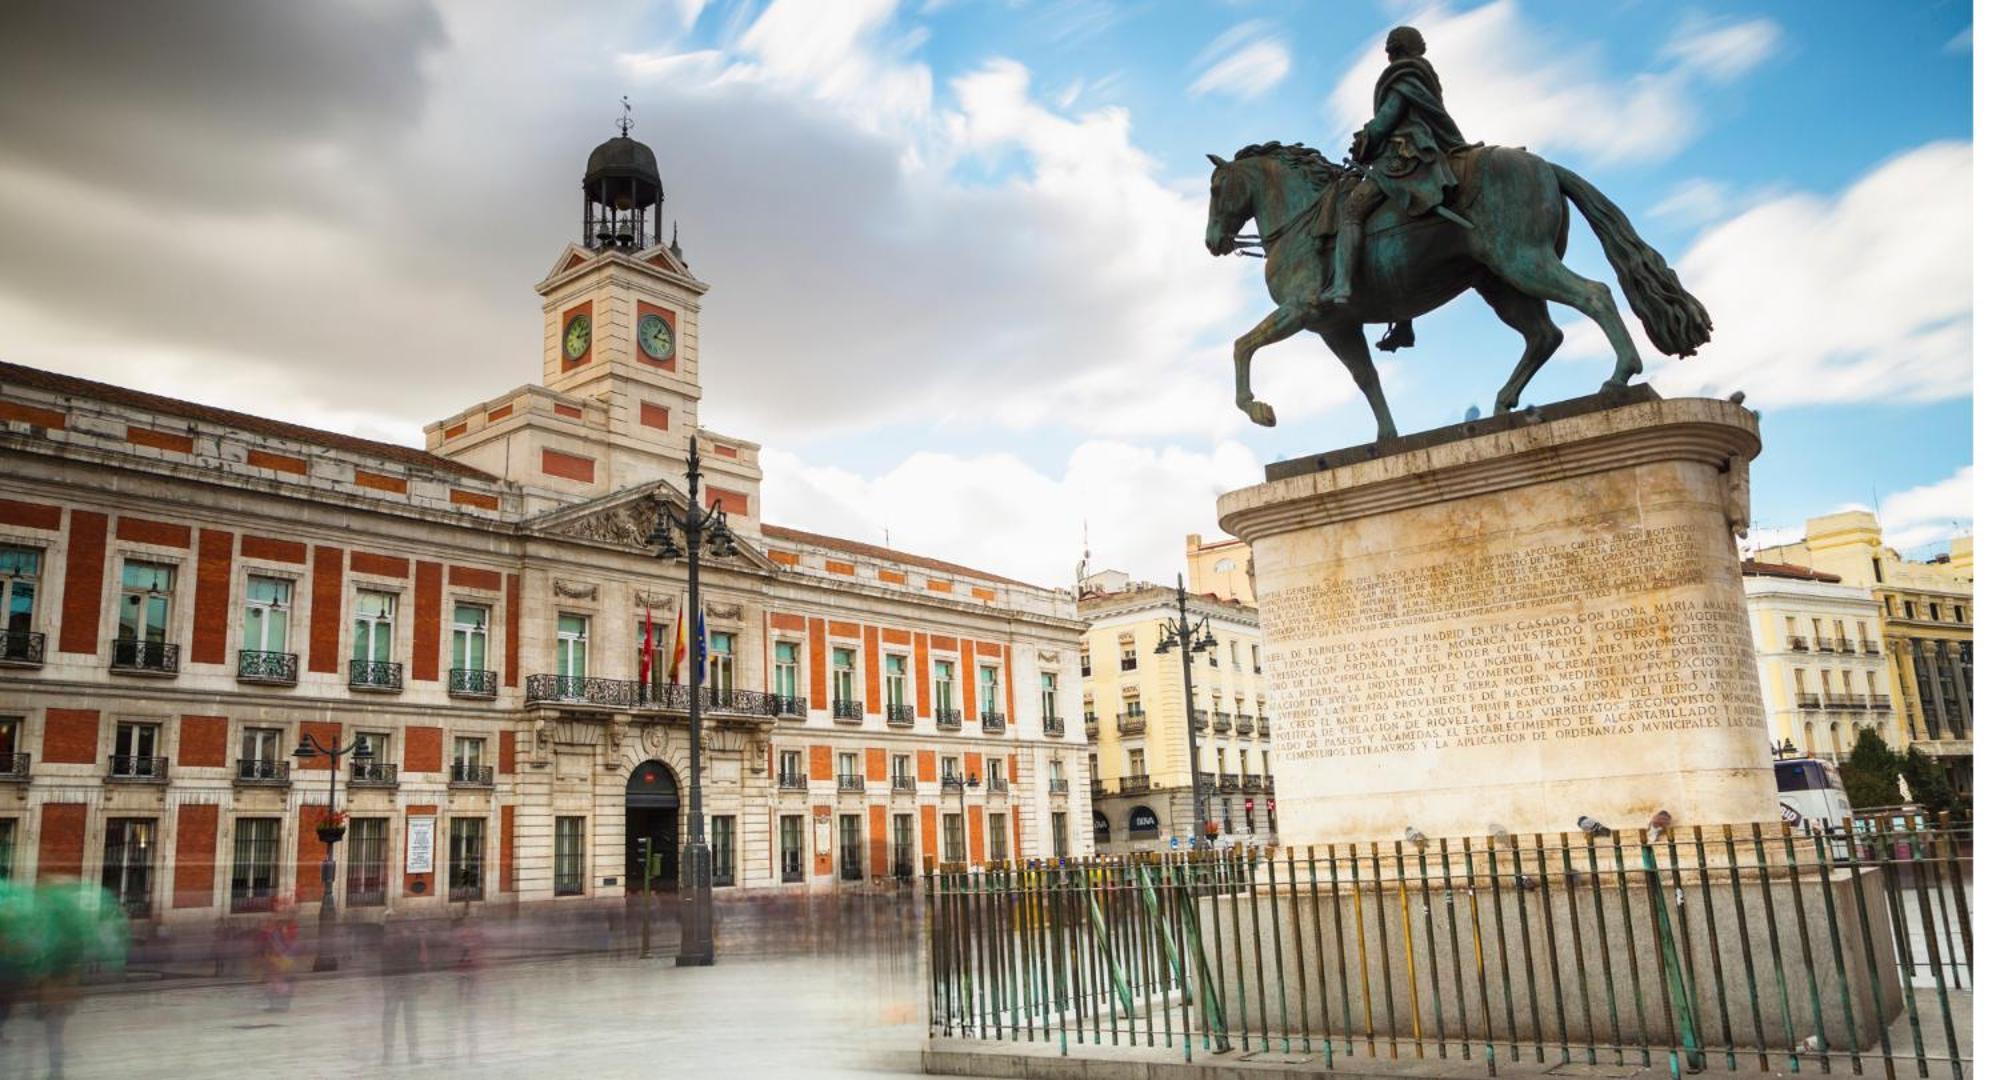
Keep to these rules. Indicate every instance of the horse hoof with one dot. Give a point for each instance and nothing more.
(1261, 414)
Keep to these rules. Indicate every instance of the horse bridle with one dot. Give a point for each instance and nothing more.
(1255, 246)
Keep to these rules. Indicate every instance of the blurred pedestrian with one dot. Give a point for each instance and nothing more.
(404, 960)
(468, 947)
(276, 949)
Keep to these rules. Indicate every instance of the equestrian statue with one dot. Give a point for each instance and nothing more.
(1414, 218)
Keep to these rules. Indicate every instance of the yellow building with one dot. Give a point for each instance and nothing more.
(1926, 611)
(1223, 568)
(1820, 659)
(1136, 717)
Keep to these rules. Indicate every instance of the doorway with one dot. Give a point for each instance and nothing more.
(652, 812)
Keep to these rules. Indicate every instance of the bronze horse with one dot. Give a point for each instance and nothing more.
(1511, 254)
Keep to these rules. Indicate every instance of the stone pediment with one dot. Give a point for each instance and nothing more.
(625, 519)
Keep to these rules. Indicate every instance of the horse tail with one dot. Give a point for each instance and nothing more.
(1675, 321)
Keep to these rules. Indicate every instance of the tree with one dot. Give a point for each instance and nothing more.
(1930, 783)
(1870, 771)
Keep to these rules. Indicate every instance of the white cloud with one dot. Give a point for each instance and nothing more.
(1512, 82)
(1695, 201)
(996, 513)
(1247, 60)
(1930, 512)
(1861, 296)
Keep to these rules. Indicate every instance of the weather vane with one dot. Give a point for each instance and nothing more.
(625, 122)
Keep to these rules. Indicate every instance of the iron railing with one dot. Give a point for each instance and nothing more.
(275, 668)
(474, 683)
(1808, 701)
(1058, 785)
(371, 774)
(1714, 949)
(791, 781)
(465, 774)
(949, 719)
(22, 647)
(1245, 723)
(993, 723)
(847, 710)
(14, 767)
(374, 675)
(1252, 783)
(850, 782)
(1264, 726)
(996, 785)
(150, 657)
(951, 782)
(1222, 724)
(788, 705)
(1799, 643)
(1132, 723)
(1052, 726)
(263, 771)
(152, 769)
(901, 715)
(1135, 782)
(1226, 782)
(1198, 720)
(903, 783)
(1090, 725)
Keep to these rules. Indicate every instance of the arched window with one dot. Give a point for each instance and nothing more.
(1100, 827)
(1143, 824)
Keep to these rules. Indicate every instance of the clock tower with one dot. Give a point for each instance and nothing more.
(621, 357)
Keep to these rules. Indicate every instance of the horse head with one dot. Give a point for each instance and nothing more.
(1229, 205)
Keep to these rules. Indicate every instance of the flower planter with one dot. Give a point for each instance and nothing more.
(331, 834)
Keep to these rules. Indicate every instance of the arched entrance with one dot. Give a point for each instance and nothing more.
(652, 811)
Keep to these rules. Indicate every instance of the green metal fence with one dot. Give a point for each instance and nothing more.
(1726, 948)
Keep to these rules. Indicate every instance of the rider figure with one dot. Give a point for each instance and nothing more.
(1403, 151)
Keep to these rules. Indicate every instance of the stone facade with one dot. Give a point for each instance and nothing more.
(1820, 656)
(190, 591)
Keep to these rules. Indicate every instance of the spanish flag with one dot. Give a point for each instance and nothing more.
(680, 644)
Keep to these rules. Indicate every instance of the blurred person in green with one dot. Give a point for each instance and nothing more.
(51, 935)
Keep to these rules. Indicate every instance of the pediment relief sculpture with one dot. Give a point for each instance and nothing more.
(575, 590)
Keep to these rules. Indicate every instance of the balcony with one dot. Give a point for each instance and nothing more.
(1058, 785)
(901, 716)
(996, 785)
(263, 772)
(951, 783)
(847, 712)
(1843, 645)
(267, 668)
(1135, 782)
(21, 648)
(1199, 721)
(1128, 663)
(903, 784)
(1052, 726)
(468, 775)
(377, 774)
(1878, 702)
(1245, 724)
(788, 706)
(1228, 782)
(145, 770)
(993, 723)
(132, 657)
(1090, 725)
(1222, 725)
(473, 683)
(791, 781)
(1871, 648)
(375, 676)
(14, 768)
(1270, 785)
(1097, 789)
(1821, 644)
(851, 784)
(1132, 723)
(1264, 726)
(1206, 780)
(1808, 701)
(1799, 643)
(1252, 783)
(949, 719)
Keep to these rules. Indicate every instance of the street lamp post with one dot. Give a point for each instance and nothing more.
(330, 833)
(1177, 633)
(967, 782)
(698, 529)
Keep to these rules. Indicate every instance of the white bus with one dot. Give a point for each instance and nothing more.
(1810, 794)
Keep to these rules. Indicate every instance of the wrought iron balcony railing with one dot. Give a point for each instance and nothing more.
(1878, 701)
(902, 783)
(1090, 725)
(1221, 725)
(1843, 645)
(1132, 723)
(1252, 783)
(1198, 720)
(949, 720)
(1136, 782)
(1808, 701)
(139, 767)
(1052, 726)
(374, 675)
(996, 785)
(791, 781)
(847, 710)
(271, 668)
(993, 723)
(850, 783)
(788, 705)
(1799, 643)
(371, 774)
(1097, 789)
(1823, 644)
(466, 774)
(22, 648)
(1264, 725)
(14, 767)
(263, 771)
(1227, 782)
(145, 657)
(951, 783)
(1245, 724)
(474, 683)
(1128, 663)
(901, 715)
(1058, 785)
(1871, 648)
(1206, 780)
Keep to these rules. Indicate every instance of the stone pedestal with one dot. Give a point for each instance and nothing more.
(1515, 622)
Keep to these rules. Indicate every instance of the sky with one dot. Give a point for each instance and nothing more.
(958, 287)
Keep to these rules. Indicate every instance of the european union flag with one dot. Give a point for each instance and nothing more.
(698, 676)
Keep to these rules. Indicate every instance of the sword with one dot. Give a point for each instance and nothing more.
(1443, 211)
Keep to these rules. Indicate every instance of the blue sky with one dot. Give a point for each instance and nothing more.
(959, 292)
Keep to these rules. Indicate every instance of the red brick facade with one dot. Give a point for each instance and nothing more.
(213, 562)
(83, 581)
(69, 736)
(195, 826)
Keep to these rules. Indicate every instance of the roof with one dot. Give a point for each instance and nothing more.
(1751, 567)
(800, 536)
(71, 386)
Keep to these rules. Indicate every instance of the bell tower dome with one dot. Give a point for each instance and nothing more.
(623, 200)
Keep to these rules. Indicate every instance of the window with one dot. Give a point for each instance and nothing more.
(261, 754)
(949, 763)
(996, 768)
(569, 856)
(894, 668)
(1132, 706)
(145, 602)
(1056, 769)
(1059, 830)
(903, 831)
(468, 636)
(1048, 694)
(20, 573)
(954, 838)
(267, 614)
(943, 684)
(1256, 660)
(1243, 760)
(850, 847)
(128, 863)
(996, 838)
(989, 690)
(253, 872)
(1135, 763)
(1086, 663)
(850, 768)
(1128, 657)
(467, 867)
(1934, 612)
(1958, 613)
(722, 837)
(792, 847)
(1234, 663)
(1267, 762)
(843, 674)
(722, 661)
(900, 777)
(376, 765)
(652, 662)
(785, 669)
(1909, 610)
(8, 828)
(791, 767)
(368, 861)
(374, 626)
(135, 751)
(468, 759)
(572, 646)
(10, 745)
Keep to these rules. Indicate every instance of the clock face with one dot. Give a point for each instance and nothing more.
(576, 337)
(656, 336)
